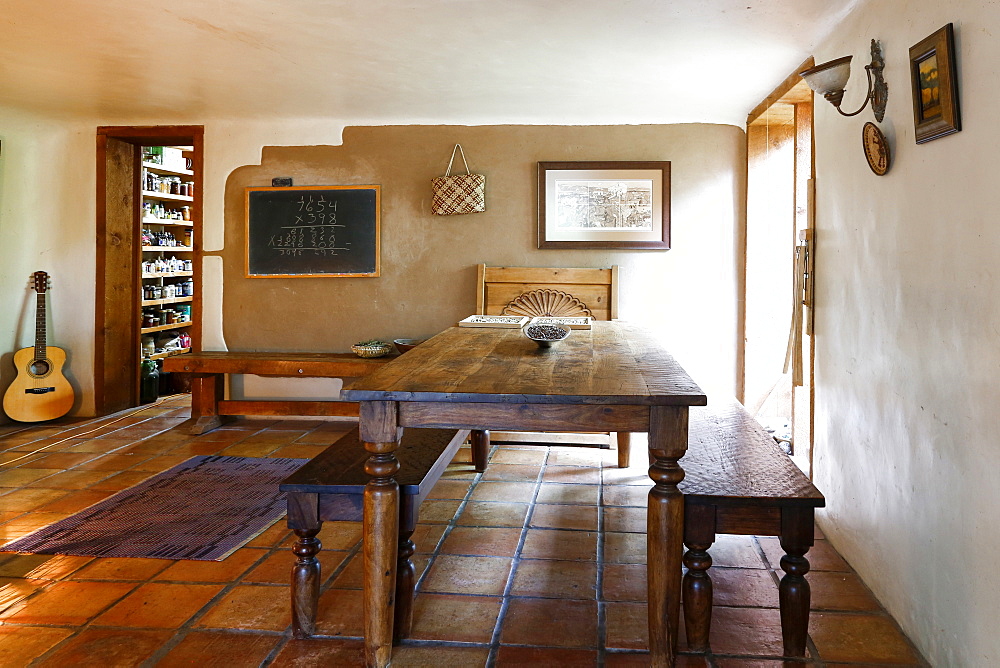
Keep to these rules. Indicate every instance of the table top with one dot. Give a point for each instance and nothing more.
(613, 363)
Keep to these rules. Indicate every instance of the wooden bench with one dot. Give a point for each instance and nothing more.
(209, 408)
(738, 481)
(331, 487)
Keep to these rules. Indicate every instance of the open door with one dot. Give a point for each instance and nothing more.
(776, 383)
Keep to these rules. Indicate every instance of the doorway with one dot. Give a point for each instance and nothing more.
(119, 279)
(776, 381)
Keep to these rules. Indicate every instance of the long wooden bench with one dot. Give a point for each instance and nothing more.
(331, 487)
(738, 481)
(210, 409)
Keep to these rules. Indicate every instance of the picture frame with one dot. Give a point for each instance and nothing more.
(934, 82)
(609, 204)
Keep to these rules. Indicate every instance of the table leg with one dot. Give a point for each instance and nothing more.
(207, 390)
(303, 519)
(668, 429)
(793, 592)
(480, 439)
(380, 433)
(624, 444)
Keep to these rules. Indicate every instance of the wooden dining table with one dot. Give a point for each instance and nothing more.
(613, 377)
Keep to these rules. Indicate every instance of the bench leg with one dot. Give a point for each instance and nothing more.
(207, 390)
(303, 519)
(699, 534)
(624, 439)
(406, 572)
(793, 591)
(480, 439)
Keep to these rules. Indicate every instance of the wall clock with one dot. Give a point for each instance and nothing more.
(876, 148)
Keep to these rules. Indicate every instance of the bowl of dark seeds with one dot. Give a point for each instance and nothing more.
(546, 335)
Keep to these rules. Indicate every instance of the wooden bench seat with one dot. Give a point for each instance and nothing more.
(209, 408)
(738, 481)
(331, 487)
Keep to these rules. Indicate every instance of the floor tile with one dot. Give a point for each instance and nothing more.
(455, 618)
(313, 652)
(626, 495)
(572, 474)
(227, 570)
(555, 579)
(101, 648)
(493, 514)
(113, 462)
(821, 556)
(626, 626)
(550, 623)
(215, 649)
(467, 575)
(15, 590)
(122, 569)
(481, 541)
(42, 566)
(440, 511)
(22, 476)
(545, 656)
(449, 489)
(625, 548)
(735, 551)
(67, 603)
(859, 638)
(121, 481)
(74, 502)
(336, 535)
(624, 582)
(743, 587)
(839, 591)
(250, 607)
(579, 517)
(340, 613)
(159, 605)
(559, 544)
(19, 645)
(435, 657)
(626, 520)
(535, 456)
(70, 480)
(512, 472)
(427, 536)
(63, 460)
(747, 631)
(277, 567)
(569, 494)
(512, 492)
(578, 456)
(30, 499)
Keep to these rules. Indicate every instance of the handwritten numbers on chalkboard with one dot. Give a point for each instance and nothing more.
(317, 231)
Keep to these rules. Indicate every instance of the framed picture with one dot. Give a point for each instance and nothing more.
(935, 86)
(604, 205)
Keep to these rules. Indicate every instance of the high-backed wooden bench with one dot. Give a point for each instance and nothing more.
(738, 481)
(209, 408)
(331, 487)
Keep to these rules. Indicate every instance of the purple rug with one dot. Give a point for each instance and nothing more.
(204, 508)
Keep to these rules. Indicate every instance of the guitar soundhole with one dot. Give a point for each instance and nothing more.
(38, 368)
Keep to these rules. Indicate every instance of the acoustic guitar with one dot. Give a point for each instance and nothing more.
(40, 391)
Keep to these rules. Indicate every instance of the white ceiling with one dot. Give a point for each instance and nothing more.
(410, 61)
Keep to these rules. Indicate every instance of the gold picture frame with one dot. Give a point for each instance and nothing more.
(935, 86)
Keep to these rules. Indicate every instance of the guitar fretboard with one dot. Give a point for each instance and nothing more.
(40, 326)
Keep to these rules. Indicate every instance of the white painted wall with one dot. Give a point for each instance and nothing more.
(908, 337)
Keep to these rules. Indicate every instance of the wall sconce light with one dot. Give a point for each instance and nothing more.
(830, 79)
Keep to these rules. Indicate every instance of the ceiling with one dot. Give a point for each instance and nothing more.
(406, 61)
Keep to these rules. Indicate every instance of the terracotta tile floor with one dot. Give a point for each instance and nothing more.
(539, 561)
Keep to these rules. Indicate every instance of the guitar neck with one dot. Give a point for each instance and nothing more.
(40, 351)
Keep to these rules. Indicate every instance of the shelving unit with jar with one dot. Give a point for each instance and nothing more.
(168, 252)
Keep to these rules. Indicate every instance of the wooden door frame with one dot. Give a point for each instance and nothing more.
(110, 302)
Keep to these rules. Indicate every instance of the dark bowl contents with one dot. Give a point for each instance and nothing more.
(546, 335)
(402, 345)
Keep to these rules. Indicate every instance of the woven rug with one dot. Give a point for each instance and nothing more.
(204, 508)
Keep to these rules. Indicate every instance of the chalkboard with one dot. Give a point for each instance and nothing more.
(314, 231)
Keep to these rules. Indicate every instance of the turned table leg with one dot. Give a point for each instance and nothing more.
(406, 572)
(793, 591)
(668, 430)
(380, 433)
(303, 519)
(699, 534)
(480, 439)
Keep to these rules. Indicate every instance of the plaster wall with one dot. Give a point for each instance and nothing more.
(47, 177)
(907, 334)
(428, 262)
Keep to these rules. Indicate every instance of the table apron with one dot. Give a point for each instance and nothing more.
(523, 417)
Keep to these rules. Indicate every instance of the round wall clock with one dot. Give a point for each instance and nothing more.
(876, 148)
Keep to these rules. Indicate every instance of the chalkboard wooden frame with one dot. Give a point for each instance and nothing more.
(259, 233)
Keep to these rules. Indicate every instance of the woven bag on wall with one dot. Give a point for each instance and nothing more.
(462, 193)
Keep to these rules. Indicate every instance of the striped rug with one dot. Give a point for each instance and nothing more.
(204, 508)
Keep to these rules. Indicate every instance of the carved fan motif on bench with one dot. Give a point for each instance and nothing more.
(552, 303)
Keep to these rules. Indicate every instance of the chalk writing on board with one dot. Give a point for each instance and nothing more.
(318, 231)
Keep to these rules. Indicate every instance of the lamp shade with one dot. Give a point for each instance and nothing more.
(829, 77)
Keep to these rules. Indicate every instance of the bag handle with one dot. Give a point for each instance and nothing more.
(458, 147)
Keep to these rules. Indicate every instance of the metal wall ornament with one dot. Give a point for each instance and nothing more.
(829, 79)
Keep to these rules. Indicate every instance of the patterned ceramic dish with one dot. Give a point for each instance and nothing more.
(380, 349)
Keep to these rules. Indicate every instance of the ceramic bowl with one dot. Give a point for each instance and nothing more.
(402, 345)
(546, 335)
(373, 350)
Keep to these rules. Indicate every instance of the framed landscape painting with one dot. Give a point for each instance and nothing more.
(604, 205)
(935, 86)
